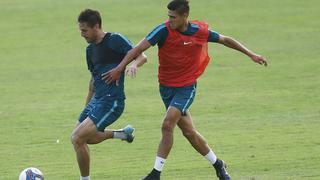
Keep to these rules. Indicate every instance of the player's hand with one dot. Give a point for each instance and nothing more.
(111, 76)
(131, 71)
(259, 59)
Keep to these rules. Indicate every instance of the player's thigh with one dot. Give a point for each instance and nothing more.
(186, 124)
(77, 124)
(85, 130)
(106, 112)
(172, 117)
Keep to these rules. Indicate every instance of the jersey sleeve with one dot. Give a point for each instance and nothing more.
(158, 35)
(213, 36)
(120, 44)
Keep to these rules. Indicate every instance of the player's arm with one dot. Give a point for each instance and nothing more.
(114, 74)
(132, 69)
(234, 44)
(90, 91)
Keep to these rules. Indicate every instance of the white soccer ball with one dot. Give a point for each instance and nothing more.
(31, 173)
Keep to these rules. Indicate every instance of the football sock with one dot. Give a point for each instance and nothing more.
(119, 135)
(85, 178)
(211, 157)
(159, 163)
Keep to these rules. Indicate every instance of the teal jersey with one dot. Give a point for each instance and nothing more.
(105, 56)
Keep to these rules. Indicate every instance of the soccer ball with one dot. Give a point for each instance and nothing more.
(31, 173)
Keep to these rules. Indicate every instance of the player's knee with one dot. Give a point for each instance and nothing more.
(167, 127)
(76, 140)
(73, 139)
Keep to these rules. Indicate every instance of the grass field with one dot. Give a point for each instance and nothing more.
(264, 122)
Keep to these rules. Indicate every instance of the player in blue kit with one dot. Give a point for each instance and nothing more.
(105, 102)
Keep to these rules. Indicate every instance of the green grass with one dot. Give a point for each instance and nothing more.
(264, 122)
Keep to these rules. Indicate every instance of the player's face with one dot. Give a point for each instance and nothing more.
(176, 20)
(87, 32)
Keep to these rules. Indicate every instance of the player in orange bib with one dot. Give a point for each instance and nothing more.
(183, 57)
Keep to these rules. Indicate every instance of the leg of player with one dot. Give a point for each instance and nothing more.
(193, 136)
(125, 134)
(81, 134)
(100, 136)
(169, 123)
(199, 143)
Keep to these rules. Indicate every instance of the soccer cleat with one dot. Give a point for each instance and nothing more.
(128, 130)
(153, 175)
(221, 170)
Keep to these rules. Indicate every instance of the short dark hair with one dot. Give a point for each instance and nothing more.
(180, 6)
(91, 17)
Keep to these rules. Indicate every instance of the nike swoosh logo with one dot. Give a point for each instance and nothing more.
(186, 43)
(94, 116)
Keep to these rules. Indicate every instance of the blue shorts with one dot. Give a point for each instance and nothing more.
(103, 111)
(179, 97)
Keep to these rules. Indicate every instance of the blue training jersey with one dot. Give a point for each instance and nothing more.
(105, 56)
(160, 33)
(110, 50)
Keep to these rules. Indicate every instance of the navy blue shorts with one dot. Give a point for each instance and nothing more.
(103, 111)
(179, 97)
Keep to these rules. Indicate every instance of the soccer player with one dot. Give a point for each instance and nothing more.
(183, 57)
(105, 102)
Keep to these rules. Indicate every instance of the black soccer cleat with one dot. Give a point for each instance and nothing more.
(221, 170)
(153, 175)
